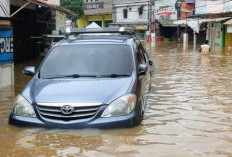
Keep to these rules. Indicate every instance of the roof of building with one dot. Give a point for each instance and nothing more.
(128, 1)
(53, 6)
(213, 15)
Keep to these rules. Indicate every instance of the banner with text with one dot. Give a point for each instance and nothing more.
(6, 45)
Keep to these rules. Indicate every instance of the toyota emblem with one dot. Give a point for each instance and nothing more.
(67, 109)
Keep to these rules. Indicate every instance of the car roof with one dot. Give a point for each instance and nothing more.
(88, 39)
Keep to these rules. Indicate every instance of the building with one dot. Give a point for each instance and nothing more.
(22, 24)
(98, 11)
(132, 13)
(212, 15)
(6, 46)
(165, 15)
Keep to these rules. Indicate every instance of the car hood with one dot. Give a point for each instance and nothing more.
(103, 90)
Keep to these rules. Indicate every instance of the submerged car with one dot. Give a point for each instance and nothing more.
(92, 81)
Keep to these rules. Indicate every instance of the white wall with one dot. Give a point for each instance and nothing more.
(6, 5)
(212, 6)
(132, 16)
(6, 74)
(200, 7)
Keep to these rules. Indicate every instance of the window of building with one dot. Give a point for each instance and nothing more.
(125, 13)
(140, 9)
(108, 22)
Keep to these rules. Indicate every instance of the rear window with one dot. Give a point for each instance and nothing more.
(88, 60)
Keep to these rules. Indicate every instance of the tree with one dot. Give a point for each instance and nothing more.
(76, 6)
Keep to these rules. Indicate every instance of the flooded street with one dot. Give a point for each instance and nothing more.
(189, 114)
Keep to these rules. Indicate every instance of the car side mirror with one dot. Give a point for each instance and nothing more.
(142, 69)
(150, 62)
(29, 71)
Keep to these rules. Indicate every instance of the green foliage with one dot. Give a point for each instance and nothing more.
(76, 6)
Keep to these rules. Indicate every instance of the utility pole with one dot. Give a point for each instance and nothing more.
(148, 21)
(178, 5)
(150, 17)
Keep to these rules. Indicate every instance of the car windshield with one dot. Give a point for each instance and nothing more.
(88, 60)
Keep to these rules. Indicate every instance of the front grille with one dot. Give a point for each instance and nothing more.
(55, 112)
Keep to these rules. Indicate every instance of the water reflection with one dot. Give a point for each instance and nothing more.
(189, 114)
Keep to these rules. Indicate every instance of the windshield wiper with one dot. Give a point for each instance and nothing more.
(67, 76)
(114, 75)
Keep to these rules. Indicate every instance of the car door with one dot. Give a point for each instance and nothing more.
(144, 79)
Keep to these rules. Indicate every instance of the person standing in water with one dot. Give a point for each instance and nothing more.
(205, 49)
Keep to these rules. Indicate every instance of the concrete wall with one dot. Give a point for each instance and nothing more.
(133, 14)
(186, 10)
(107, 7)
(5, 12)
(212, 6)
(7, 75)
(215, 6)
(200, 7)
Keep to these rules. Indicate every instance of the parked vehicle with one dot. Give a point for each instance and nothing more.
(92, 81)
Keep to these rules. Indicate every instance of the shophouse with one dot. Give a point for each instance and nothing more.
(22, 23)
(211, 16)
(98, 11)
(132, 13)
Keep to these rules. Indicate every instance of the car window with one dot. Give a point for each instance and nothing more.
(88, 60)
(140, 56)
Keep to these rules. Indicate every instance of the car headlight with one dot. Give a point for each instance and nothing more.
(23, 108)
(121, 106)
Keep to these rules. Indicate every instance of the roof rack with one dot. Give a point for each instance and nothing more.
(121, 30)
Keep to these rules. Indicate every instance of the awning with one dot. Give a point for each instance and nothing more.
(180, 22)
(214, 19)
(166, 23)
(228, 22)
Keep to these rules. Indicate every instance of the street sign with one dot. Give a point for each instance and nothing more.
(6, 45)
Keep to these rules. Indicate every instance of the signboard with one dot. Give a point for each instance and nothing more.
(141, 27)
(229, 29)
(95, 5)
(166, 11)
(4, 8)
(6, 45)
(60, 21)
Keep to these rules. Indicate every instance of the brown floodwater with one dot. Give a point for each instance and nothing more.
(189, 114)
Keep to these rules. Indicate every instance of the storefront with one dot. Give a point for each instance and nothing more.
(101, 20)
(228, 35)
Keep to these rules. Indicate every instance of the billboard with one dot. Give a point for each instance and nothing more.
(165, 12)
(6, 45)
